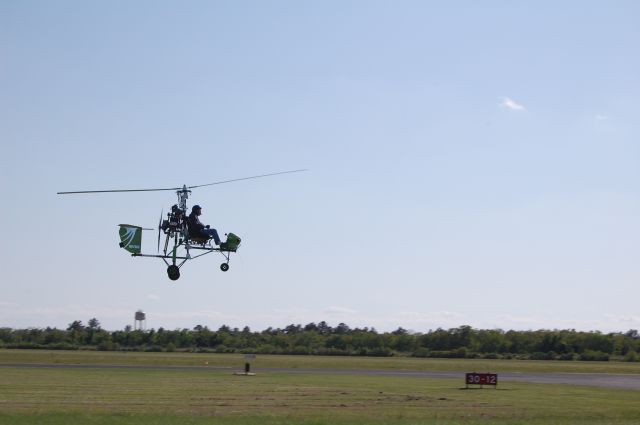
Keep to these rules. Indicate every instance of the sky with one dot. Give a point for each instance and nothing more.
(469, 163)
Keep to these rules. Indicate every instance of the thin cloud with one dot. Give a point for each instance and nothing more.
(623, 320)
(601, 117)
(339, 311)
(197, 314)
(422, 321)
(509, 103)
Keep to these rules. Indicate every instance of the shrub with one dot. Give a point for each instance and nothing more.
(449, 354)
(299, 350)
(421, 352)
(379, 352)
(594, 356)
(542, 356)
(106, 345)
(153, 349)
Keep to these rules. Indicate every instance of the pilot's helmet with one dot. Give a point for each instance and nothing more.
(195, 208)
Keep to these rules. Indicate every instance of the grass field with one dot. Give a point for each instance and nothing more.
(322, 362)
(212, 396)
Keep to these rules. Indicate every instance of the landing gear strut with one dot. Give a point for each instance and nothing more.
(173, 272)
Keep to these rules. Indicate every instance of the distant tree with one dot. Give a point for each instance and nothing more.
(595, 341)
(102, 340)
(321, 338)
(461, 337)
(76, 332)
(401, 341)
(6, 335)
(488, 341)
(324, 328)
(76, 325)
(94, 324)
(336, 341)
(54, 336)
(341, 329)
(311, 327)
(292, 329)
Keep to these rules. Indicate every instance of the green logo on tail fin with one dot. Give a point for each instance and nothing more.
(131, 238)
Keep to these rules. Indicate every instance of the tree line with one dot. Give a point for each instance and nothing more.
(341, 340)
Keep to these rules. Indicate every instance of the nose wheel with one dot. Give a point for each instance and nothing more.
(224, 267)
(173, 272)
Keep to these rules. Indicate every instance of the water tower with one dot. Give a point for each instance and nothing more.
(140, 321)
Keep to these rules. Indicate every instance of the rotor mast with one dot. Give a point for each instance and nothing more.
(183, 195)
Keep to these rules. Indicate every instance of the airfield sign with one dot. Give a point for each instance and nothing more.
(481, 379)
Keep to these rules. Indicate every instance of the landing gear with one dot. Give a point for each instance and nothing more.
(173, 272)
(224, 267)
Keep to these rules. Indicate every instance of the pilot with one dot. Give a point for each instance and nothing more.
(199, 230)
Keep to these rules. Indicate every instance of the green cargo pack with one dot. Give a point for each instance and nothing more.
(233, 241)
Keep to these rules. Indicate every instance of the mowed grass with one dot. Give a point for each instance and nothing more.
(311, 362)
(213, 396)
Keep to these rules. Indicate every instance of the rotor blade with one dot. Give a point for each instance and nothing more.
(119, 190)
(178, 188)
(247, 178)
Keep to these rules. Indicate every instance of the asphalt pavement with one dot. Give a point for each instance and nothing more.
(606, 380)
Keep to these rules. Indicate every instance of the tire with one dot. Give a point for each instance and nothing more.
(224, 267)
(173, 272)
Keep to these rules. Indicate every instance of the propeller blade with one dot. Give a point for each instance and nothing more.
(247, 178)
(160, 228)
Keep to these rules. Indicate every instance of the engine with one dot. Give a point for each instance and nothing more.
(175, 221)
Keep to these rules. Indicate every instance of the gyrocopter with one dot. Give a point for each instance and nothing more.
(181, 243)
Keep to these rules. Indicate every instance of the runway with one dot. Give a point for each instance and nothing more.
(604, 380)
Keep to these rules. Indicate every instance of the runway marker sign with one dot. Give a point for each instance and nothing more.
(481, 379)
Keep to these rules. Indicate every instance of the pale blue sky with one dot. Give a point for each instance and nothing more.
(470, 162)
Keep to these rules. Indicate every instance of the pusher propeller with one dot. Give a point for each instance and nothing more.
(160, 227)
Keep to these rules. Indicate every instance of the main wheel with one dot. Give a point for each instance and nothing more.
(224, 267)
(173, 272)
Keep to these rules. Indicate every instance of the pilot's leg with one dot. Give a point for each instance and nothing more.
(215, 236)
(213, 233)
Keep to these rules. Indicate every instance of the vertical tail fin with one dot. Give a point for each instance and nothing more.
(131, 238)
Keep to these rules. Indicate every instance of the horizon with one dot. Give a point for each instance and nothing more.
(330, 325)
